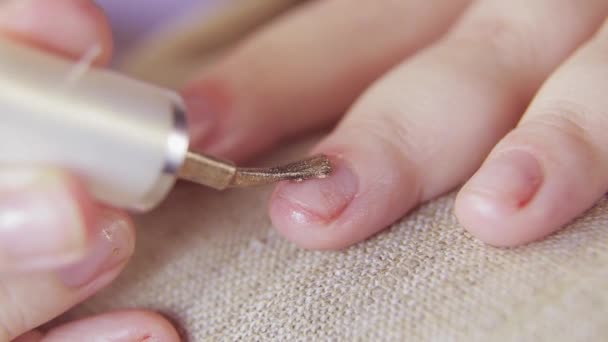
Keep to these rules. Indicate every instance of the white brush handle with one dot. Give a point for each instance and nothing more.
(125, 138)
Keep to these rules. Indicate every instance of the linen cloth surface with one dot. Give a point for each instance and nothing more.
(213, 262)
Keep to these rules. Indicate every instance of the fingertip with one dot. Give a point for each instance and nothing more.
(66, 27)
(298, 225)
(372, 185)
(152, 325)
(484, 220)
(159, 326)
(492, 204)
(128, 325)
(309, 213)
(112, 246)
(524, 193)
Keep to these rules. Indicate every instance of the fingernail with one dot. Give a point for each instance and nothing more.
(507, 181)
(205, 102)
(40, 224)
(318, 201)
(113, 245)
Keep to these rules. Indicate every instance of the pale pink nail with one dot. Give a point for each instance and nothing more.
(40, 224)
(316, 201)
(113, 245)
(206, 102)
(507, 181)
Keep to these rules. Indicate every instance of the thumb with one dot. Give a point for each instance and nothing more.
(31, 299)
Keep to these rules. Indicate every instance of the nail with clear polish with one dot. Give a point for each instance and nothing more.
(113, 245)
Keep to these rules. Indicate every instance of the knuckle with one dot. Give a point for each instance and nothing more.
(573, 123)
(566, 117)
(500, 37)
(395, 136)
(392, 132)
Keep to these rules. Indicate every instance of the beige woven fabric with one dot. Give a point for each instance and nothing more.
(213, 262)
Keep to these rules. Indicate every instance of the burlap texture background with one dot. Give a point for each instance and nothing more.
(213, 262)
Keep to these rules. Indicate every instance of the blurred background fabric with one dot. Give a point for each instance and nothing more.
(178, 37)
(214, 264)
(134, 20)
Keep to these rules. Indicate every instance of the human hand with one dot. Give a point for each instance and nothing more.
(504, 96)
(57, 246)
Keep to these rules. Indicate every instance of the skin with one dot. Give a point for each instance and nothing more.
(45, 282)
(489, 97)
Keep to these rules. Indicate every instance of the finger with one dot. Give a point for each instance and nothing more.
(303, 71)
(46, 219)
(554, 165)
(29, 300)
(427, 126)
(67, 27)
(127, 326)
